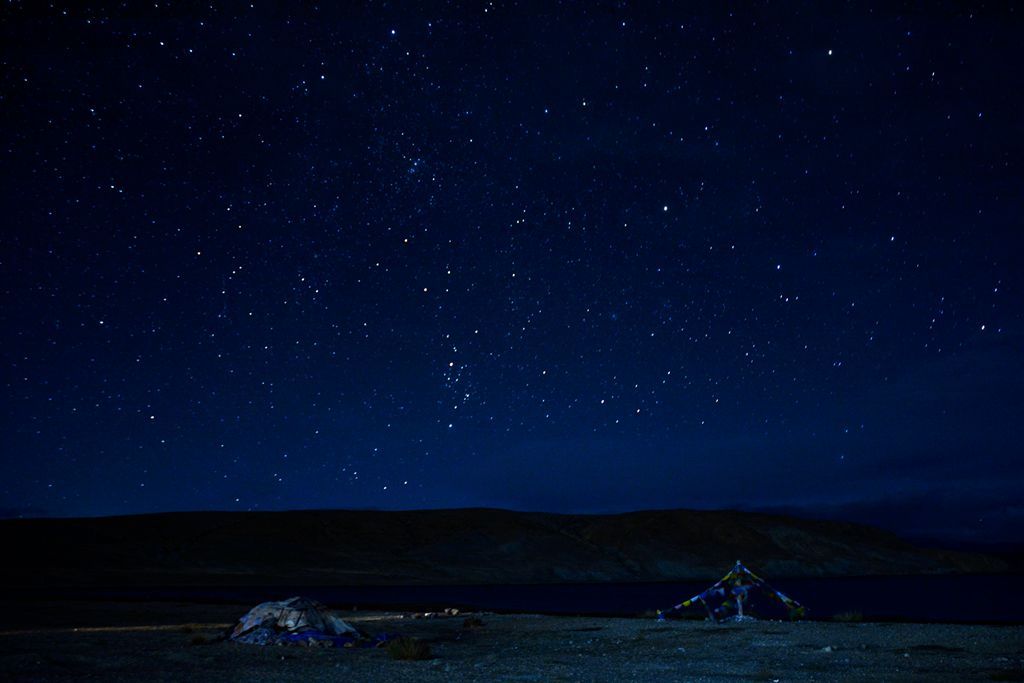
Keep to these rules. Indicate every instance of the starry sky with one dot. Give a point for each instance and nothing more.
(572, 257)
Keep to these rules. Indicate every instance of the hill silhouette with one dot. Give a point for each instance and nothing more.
(464, 546)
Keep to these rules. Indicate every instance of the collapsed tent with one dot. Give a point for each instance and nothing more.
(740, 594)
(295, 621)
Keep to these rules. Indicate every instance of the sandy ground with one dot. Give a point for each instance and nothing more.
(159, 642)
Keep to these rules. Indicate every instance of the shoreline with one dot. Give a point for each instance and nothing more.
(167, 641)
(944, 599)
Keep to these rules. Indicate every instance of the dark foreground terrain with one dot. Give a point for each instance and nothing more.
(443, 547)
(170, 642)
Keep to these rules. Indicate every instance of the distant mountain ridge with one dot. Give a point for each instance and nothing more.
(461, 546)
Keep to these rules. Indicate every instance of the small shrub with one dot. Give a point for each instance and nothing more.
(408, 649)
(850, 617)
(473, 622)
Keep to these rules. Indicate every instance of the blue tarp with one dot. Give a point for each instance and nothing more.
(270, 636)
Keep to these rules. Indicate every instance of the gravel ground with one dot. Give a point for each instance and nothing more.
(160, 642)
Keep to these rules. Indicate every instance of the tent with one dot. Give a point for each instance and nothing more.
(295, 621)
(740, 594)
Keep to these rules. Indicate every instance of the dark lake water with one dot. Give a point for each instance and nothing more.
(988, 599)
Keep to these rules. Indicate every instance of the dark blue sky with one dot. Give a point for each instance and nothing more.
(590, 257)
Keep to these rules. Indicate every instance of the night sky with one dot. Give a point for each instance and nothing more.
(567, 257)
